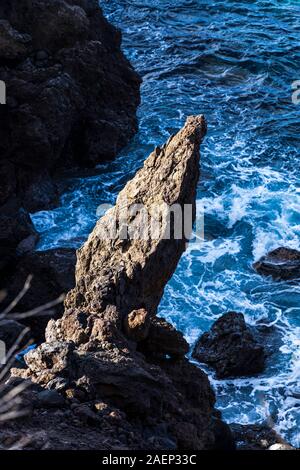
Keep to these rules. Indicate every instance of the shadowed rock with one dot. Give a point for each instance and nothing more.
(109, 345)
(258, 437)
(283, 264)
(71, 102)
(231, 348)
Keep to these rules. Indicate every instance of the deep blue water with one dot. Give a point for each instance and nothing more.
(235, 62)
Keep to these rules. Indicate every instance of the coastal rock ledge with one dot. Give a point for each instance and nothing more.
(109, 347)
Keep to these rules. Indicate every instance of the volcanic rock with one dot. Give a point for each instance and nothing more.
(50, 399)
(231, 348)
(71, 102)
(164, 339)
(119, 283)
(283, 264)
(137, 325)
(53, 274)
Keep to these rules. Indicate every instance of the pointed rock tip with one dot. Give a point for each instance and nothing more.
(196, 126)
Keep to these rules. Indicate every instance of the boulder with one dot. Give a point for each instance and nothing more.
(231, 348)
(283, 264)
(50, 399)
(50, 356)
(155, 336)
(164, 339)
(257, 437)
(281, 446)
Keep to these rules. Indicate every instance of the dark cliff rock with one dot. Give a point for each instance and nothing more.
(231, 348)
(102, 348)
(283, 264)
(53, 274)
(71, 100)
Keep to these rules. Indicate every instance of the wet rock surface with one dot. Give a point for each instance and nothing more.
(257, 437)
(97, 350)
(283, 264)
(230, 348)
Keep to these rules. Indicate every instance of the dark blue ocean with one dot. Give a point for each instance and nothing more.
(234, 61)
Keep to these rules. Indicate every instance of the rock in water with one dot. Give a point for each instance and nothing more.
(282, 264)
(131, 273)
(257, 437)
(103, 345)
(230, 348)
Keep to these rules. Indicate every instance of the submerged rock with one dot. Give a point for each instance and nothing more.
(109, 346)
(231, 348)
(283, 264)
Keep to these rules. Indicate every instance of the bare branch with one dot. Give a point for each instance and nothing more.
(38, 311)
(17, 299)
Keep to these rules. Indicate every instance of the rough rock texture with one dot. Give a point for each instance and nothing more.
(93, 425)
(71, 100)
(126, 270)
(91, 354)
(53, 274)
(257, 437)
(231, 348)
(282, 264)
(164, 339)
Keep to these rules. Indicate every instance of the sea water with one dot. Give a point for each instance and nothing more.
(236, 62)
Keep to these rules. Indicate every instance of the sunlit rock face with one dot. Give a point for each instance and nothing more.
(109, 345)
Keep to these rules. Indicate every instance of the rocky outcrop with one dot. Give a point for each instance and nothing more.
(231, 348)
(258, 437)
(71, 101)
(283, 264)
(109, 346)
